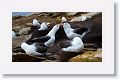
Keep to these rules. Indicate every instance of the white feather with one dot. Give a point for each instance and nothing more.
(52, 35)
(29, 49)
(36, 23)
(50, 41)
(77, 45)
(53, 31)
(69, 31)
(64, 19)
(83, 18)
(43, 26)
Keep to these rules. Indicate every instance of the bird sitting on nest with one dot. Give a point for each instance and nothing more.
(35, 25)
(36, 49)
(74, 45)
(42, 31)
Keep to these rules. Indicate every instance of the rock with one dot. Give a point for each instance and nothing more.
(17, 49)
(28, 24)
(17, 17)
(54, 49)
(48, 61)
(22, 57)
(84, 17)
(99, 54)
(88, 56)
(80, 18)
(71, 13)
(56, 14)
(25, 31)
(50, 14)
(16, 28)
(90, 47)
(65, 56)
(91, 14)
(17, 41)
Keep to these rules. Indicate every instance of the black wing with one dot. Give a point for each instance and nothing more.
(42, 39)
(34, 28)
(80, 30)
(39, 33)
(65, 44)
(41, 48)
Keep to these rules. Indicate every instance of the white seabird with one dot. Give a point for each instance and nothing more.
(71, 33)
(43, 26)
(36, 49)
(42, 31)
(74, 45)
(36, 23)
(49, 39)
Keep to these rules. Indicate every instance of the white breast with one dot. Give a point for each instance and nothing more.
(71, 35)
(50, 41)
(77, 46)
(29, 49)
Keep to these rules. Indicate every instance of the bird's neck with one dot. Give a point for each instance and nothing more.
(52, 32)
(68, 29)
(83, 34)
(25, 46)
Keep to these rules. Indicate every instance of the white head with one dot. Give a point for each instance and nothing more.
(24, 46)
(64, 19)
(35, 23)
(48, 24)
(84, 18)
(54, 30)
(29, 49)
(66, 25)
(43, 26)
(56, 27)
